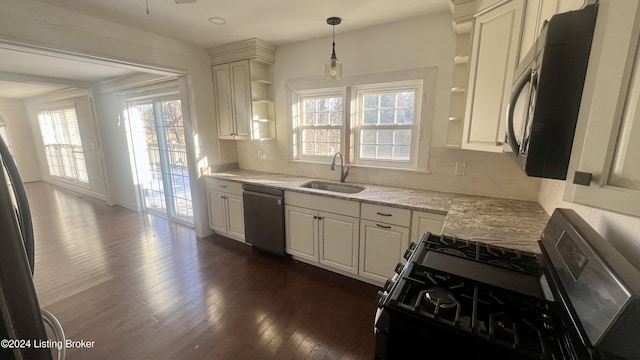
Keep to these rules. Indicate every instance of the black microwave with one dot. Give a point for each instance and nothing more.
(545, 100)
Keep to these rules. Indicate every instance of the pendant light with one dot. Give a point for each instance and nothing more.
(333, 66)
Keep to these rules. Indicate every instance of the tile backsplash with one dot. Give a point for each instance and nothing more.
(621, 230)
(486, 174)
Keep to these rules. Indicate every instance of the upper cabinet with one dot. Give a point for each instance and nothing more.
(492, 37)
(487, 53)
(243, 90)
(607, 145)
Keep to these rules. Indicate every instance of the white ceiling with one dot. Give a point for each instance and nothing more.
(276, 21)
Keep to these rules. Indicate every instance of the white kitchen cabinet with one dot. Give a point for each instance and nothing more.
(302, 232)
(422, 222)
(328, 237)
(232, 91)
(384, 237)
(338, 241)
(381, 248)
(607, 142)
(537, 12)
(226, 209)
(244, 100)
(494, 56)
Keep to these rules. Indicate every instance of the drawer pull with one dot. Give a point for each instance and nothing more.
(382, 214)
(223, 186)
(383, 226)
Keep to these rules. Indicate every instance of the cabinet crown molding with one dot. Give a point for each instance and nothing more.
(250, 49)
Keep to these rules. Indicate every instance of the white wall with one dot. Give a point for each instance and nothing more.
(426, 41)
(37, 23)
(15, 116)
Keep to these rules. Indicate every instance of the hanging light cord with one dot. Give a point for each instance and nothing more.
(333, 54)
(147, 2)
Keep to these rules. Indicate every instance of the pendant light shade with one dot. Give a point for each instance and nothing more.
(333, 66)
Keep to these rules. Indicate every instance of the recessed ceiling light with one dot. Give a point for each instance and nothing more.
(217, 20)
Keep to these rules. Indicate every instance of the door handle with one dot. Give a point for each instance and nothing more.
(384, 226)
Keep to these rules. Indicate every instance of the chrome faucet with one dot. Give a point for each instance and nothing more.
(343, 174)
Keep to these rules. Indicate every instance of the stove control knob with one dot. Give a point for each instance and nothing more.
(399, 268)
(389, 284)
(412, 246)
(407, 254)
(381, 298)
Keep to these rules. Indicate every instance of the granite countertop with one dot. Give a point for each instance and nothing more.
(511, 223)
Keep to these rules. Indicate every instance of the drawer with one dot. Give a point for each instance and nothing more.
(386, 214)
(230, 187)
(323, 203)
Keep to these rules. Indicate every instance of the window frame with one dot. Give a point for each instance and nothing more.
(69, 146)
(7, 137)
(357, 123)
(425, 75)
(297, 99)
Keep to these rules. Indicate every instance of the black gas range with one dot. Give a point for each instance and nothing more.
(578, 299)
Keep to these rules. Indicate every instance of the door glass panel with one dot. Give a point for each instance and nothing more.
(161, 158)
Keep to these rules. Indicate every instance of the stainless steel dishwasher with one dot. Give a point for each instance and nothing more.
(264, 218)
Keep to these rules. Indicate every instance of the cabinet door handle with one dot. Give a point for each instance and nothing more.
(223, 197)
(383, 226)
(383, 214)
(315, 217)
(582, 178)
(319, 217)
(223, 186)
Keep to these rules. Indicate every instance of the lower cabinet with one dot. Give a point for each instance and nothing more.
(381, 248)
(226, 210)
(422, 222)
(326, 238)
(360, 239)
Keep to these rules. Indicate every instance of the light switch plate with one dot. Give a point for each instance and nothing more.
(461, 168)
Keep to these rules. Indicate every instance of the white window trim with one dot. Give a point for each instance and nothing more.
(357, 122)
(426, 102)
(296, 111)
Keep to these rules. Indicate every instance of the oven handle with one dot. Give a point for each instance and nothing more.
(511, 137)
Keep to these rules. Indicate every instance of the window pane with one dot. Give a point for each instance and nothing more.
(386, 116)
(370, 117)
(309, 106)
(406, 99)
(333, 136)
(385, 137)
(335, 104)
(387, 100)
(322, 118)
(401, 152)
(385, 151)
(402, 137)
(309, 119)
(368, 151)
(336, 118)
(405, 116)
(371, 101)
(368, 136)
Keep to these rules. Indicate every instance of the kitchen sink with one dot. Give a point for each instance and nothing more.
(335, 187)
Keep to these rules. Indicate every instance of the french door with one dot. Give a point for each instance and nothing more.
(160, 152)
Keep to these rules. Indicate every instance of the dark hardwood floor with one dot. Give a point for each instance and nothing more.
(144, 288)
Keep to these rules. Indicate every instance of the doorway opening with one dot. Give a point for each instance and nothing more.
(157, 138)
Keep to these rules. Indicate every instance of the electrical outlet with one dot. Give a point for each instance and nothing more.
(264, 156)
(260, 154)
(461, 168)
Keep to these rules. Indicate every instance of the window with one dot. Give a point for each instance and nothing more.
(319, 124)
(63, 144)
(386, 124)
(373, 123)
(5, 135)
